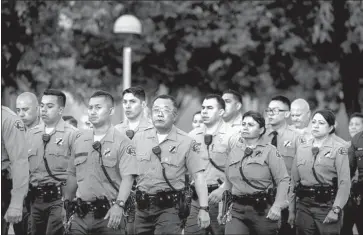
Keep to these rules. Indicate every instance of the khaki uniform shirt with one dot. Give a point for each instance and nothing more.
(14, 155)
(179, 154)
(331, 161)
(263, 168)
(119, 159)
(124, 126)
(217, 151)
(57, 153)
(287, 141)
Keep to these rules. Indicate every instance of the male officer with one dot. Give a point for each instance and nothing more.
(355, 154)
(100, 173)
(50, 145)
(134, 105)
(14, 168)
(300, 116)
(233, 111)
(165, 154)
(213, 155)
(285, 139)
(27, 108)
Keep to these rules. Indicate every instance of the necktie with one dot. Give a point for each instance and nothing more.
(274, 139)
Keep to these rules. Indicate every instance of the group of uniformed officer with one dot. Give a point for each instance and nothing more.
(233, 174)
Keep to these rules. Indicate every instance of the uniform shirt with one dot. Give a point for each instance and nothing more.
(287, 141)
(331, 161)
(14, 155)
(234, 124)
(57, 153)
(263, 168)
(124, 126)
(179, 154)
(356, 155)
(119, 159)
(217, 151)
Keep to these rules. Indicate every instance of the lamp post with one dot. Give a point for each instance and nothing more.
(127, 24)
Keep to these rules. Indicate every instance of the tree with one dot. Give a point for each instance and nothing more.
(260, 48)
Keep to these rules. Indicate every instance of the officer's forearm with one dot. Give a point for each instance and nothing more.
(20, 177)
(281, 194)
(71, 188)
(125, 187)
(201, 188)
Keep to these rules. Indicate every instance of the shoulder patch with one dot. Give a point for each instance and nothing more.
(196, 147)
(343, 151)
(19, 124)
(302, 140)
(131, 150)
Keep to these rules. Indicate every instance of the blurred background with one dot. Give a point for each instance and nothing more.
(300, 49)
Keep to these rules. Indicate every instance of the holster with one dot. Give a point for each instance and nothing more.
(6, 186)
(142, 200)
(49, 192)
(357, 192)
(211, 188)
(130, 207)
(185, 200)
(99, 207)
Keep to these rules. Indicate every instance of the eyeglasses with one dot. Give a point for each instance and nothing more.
(162, 110)
(275, 111)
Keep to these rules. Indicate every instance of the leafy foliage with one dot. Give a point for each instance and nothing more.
(259, 48)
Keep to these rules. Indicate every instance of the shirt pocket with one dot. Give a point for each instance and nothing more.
(219, 155)
(61, 159)
(144, 160)
(110, 164)
(256, 168)
(326, 160)
(81, 167)
(172, 164)
(33, 159)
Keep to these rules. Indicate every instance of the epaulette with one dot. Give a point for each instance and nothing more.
(178, 131)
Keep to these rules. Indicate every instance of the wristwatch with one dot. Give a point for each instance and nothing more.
(206, 208)
(336, 210)
(120, 203)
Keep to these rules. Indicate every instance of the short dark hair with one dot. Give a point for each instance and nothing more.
(220, 101)
(358, 115)
(104, 94)
(282, 99)
(258, 117)
(71, 119)
(198, 112)
(167, 97)
(235, 94)
(329, 117)
(61, 97)
(137, 91)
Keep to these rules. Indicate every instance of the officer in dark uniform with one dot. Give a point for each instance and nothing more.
(258, 180)
(50, 145)
(100, 173)
(320, 179)
(355, 154)
(14, 168)
(165, 155)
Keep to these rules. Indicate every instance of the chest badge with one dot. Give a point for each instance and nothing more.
(287, 143)
(172, 149)
(107, 152)
(59, 141)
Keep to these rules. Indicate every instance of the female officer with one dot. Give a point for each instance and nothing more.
(253, 169)
(320, 178)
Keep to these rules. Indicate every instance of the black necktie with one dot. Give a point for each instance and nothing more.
(274, 139)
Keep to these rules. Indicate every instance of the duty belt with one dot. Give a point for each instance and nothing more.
(211, 188)
(259, 201)
(320, 194)
(162, 199)
(99, 207)
(48, 192)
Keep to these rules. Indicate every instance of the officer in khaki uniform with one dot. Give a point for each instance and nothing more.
(165, 155)
(320, 179)
(212, 110)
(134, 105)
(14, 168)
(50, 145)
(284, 138)
(100, 173)
(258, 181)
